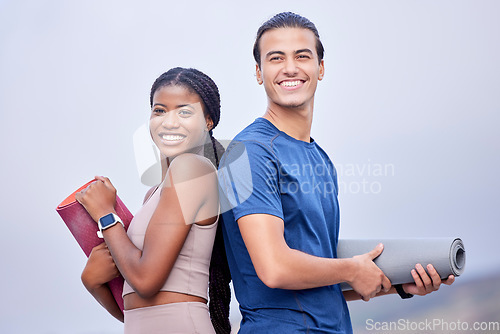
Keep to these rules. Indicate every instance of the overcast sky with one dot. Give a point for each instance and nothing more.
(408, 112)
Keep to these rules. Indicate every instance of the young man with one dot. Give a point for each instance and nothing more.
(279, 194)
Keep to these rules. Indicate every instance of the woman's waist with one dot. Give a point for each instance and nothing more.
(133, 300)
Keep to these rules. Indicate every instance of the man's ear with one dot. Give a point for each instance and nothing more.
(258, 74)
(321, 70)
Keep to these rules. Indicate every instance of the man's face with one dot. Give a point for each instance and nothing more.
(290, 68)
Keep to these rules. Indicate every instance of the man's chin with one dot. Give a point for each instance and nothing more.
(293, 105)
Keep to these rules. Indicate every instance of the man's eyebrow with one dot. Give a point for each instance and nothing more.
(304, 50)
(282, 53)
(274, 52)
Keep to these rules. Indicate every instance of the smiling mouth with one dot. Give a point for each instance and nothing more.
(291, 84)
(172, 138)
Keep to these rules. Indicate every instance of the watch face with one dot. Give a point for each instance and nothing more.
(107, 220)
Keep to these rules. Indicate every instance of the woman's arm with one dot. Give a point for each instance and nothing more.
(99, 270)
(147, 270)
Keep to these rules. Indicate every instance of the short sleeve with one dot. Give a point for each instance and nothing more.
(249, 180)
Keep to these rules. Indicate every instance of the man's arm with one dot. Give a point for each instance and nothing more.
(279, 266)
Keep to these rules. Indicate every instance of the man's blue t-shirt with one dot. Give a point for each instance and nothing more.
(265, 171)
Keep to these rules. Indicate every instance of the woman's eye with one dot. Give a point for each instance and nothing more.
(158, 111)
(184, 112)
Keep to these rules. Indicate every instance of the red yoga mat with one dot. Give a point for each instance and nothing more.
(84, 229)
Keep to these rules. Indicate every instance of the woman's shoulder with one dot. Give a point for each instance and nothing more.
(189, 166)
(192, 163)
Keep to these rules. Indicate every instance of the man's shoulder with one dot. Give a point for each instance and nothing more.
(256, 138)
(259, 130)
(253, 146)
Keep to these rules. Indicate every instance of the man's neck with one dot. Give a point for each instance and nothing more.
(295, 122)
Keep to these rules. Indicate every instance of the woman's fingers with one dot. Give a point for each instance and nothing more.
(106, 182)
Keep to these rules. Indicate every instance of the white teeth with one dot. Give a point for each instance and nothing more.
(291, 83)
(172, 137)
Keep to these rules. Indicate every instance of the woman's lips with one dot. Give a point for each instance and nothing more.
(171, 139)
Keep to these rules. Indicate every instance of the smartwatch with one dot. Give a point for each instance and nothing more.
(108, 221)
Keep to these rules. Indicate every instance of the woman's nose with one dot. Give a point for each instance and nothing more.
(170, 120)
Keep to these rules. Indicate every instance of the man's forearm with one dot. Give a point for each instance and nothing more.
(296, 270)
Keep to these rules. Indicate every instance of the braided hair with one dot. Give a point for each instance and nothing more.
(219, 275)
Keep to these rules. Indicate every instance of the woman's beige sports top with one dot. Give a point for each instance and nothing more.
(189, 274)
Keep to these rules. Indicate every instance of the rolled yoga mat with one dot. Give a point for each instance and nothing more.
(84, 229)
(400, 256)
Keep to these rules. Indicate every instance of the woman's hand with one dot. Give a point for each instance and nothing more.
(426, 283)
(99, 198)
(100, 268)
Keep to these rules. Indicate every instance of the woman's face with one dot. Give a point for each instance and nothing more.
(177, 122)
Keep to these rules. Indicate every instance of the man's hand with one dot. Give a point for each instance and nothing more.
(426, 283)
(369, 280)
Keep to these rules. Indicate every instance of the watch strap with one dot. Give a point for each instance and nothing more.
(401, 292)
(107, 221)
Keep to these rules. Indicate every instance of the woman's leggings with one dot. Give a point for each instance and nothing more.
(185, 318)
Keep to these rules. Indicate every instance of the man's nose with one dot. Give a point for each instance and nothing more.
(290, 67)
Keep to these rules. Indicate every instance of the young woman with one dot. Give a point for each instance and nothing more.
(166, 256)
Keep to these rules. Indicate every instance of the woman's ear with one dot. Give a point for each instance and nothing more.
(210, 123)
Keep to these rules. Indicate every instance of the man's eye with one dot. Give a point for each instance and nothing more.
(303, 56)
(158, 110)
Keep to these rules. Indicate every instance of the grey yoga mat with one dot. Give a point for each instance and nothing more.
(400, 256)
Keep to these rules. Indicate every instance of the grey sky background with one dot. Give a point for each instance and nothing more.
(408, 111)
